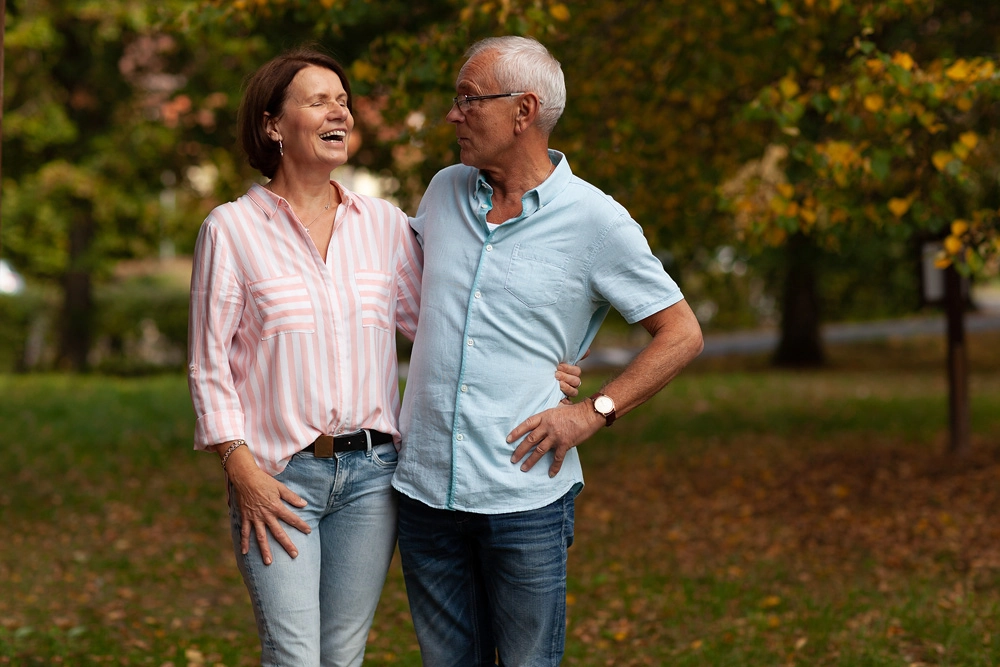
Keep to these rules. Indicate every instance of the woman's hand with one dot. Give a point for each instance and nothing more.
(262, 502)
(570, 379)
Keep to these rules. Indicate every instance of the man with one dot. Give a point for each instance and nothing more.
(522, 262)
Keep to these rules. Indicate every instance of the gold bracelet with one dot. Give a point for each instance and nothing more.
(232, 448)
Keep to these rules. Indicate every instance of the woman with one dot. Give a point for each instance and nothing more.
(297, 289)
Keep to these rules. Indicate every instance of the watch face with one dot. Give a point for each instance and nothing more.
(603, 404)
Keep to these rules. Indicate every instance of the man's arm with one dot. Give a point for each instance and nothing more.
(676, 341)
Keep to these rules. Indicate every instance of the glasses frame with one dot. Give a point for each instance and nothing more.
(463, 102)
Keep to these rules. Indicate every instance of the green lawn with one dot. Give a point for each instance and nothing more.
(743, 517)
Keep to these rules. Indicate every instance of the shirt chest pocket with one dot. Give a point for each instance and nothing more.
(536, 275)
(284, 306)
(374, 293)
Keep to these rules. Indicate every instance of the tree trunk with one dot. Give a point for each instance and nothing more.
(75, 324)
(959, 442)
(800, 345)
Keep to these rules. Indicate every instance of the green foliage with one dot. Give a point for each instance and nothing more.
(893, 133)
(22, 320)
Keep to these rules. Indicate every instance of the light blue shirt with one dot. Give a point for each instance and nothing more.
(499, 311)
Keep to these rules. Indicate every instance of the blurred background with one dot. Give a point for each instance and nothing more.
(793, 163)
(822, 177)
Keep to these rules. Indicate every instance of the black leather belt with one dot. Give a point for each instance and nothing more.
(325, 446)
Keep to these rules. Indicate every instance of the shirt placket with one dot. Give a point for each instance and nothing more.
(471, 350)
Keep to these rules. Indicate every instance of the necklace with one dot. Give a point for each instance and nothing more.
(325, 209)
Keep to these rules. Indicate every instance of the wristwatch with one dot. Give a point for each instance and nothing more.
(604, 406)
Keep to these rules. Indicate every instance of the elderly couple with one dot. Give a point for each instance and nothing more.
(298, 288)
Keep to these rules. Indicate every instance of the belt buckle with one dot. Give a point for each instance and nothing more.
(323, 447)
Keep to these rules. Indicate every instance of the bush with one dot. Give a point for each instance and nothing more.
(140, 326)
(24, 322)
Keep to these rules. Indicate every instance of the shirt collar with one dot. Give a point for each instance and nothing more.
(543, 193)
(270, 202)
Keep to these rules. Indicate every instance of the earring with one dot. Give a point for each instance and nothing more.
(281, 148)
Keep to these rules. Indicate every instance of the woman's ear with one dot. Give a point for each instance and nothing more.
(271, 127)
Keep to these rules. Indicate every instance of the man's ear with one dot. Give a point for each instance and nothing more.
(527, 112)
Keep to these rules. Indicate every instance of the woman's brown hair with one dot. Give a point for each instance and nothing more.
(265, 92)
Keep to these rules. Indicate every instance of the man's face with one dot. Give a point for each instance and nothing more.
(485, 130)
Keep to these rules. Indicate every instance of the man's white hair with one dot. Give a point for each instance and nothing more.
(523, 64)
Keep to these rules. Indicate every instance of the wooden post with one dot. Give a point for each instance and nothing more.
(959, 443)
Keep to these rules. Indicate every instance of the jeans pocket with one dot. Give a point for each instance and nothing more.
(385, 455)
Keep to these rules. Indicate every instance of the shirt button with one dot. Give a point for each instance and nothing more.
(489, 247)
(460, 437)
(479, 294)
(465, 388)
(470, 342)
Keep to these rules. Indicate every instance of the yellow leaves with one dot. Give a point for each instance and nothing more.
(770, 602)
(959, 227)
(789, 87)
(969, 139)
(835, 6)
(559, 12)
(875, 66)
(786, 190)
(874, 102)
(904, 60)
(963, 103)
(835, 93)
(942, 262)
(899, 206)
(953, 245)
(959, 70)
(363, 70)
(942, 159)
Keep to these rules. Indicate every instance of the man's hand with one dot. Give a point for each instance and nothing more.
(555, 430)
(262, 501)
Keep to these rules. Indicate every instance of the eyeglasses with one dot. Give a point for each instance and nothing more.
(465, 101)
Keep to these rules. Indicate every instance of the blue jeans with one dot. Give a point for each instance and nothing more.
(316, 609)
(483, 586)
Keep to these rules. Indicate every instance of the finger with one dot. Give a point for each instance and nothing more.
(290, 496)
(570, 373)
(558, 457)
(293, 520)
(525, 427)
(281, 537)
(568, 389)
(526, 446)
(535, 457)
(585, 354)
(244, 536)
(262, 543)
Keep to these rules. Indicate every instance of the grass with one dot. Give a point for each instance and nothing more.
(742, 517)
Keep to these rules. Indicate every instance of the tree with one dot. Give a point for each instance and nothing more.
(896, 137)
(96, 130)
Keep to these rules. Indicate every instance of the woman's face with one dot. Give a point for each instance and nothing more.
(315, 124)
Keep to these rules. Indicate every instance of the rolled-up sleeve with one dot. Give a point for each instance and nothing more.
(216, 306)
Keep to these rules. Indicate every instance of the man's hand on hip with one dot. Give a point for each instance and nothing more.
(555, 430)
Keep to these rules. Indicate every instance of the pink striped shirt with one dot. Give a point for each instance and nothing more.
(284, 346)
